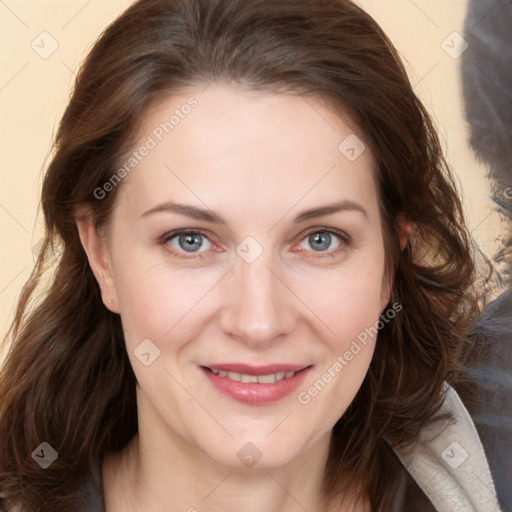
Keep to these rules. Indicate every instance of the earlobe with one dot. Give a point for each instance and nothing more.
(95, 246)
(385, 296)
(404, 230)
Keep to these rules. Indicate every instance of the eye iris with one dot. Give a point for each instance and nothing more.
(190, 241)
(319, 238)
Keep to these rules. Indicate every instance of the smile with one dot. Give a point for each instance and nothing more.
(255, 385)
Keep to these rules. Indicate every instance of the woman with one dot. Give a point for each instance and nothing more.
(263, 284)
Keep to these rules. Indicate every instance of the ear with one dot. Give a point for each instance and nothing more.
(404, 229)
(95, 245)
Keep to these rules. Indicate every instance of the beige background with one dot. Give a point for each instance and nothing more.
(33, 92)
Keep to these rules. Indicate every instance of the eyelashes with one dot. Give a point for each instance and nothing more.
(194, 239)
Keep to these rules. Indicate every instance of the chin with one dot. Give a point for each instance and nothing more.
(256, 452)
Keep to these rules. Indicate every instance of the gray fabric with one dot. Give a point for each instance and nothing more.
(490, 371)
(93, 494)
(487, 85)
(449, 463)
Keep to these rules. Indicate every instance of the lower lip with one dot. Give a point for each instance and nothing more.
(254, 393)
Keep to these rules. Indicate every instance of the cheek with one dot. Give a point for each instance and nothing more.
(349, 309)
(346, 301)
(352, 311)
(152, 297)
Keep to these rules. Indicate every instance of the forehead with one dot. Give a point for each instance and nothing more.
(225, 145)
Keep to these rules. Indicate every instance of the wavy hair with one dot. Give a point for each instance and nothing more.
(67, 379)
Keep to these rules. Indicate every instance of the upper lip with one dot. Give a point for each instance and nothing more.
(256, 370)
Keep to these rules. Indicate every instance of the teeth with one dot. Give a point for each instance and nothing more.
(261, 379)
(249, 378)
(266, 379)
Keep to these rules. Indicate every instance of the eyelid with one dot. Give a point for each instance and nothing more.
(345, 240)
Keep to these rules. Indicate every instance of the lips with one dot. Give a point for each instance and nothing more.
(256, 385)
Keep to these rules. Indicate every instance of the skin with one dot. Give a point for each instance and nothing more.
(258, 160)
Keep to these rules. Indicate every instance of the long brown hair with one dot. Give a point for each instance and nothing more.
(67, 379)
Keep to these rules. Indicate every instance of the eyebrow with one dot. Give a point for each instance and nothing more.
(208, 215)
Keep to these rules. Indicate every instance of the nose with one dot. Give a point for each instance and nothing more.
(258, 305)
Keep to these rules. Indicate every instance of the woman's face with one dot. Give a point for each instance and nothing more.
(273, 262)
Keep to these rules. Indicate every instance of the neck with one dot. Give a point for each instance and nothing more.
(150, 477)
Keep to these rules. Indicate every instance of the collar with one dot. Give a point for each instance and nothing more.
(449, 464)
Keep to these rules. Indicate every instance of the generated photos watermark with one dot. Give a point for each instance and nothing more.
(305, 397)
(151, 142)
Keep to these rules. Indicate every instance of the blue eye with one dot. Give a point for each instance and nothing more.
(321, 240)
(189, 241)
(185, 243)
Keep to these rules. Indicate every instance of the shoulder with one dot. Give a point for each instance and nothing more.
(92, 499)
(488, 388)
(449, 464)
